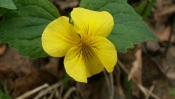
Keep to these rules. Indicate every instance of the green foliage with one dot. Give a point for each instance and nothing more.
(128, 87)
(22, 28)
(4, 94)
(66, 80)
(145, 8)
(141, 7)
(172, 91)
(129, 28)
(7, 4)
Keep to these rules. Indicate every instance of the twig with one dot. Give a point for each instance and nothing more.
(52, 94)
(123, 67)
(27, 94)
(117, 73)
(68, 93)
(157, 64)
(112, 85)
(170, 36)
(151, 89)
(153, 59)
(58, 95)
(143, 89)
(147, 92)
(107, 81)
(43, 92)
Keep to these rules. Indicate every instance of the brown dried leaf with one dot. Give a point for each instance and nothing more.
(165, 34)
(67, 4)
(168, 11)
(32, 81)
(152, 46)
(3, 48)
(96, 88)
(136, 70)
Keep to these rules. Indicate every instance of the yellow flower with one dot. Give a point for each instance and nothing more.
(82, 40)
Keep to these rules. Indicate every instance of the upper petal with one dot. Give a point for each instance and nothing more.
(105, 51)
(81, 62)
(58, 37)
(92, 23)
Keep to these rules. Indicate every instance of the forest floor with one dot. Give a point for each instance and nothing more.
(145, 72)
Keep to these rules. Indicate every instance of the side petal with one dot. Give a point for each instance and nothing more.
(80, 63)
(58, 37)
(92, 23)
(105, 51)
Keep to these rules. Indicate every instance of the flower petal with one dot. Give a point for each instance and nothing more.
(92, 23)
(105, 51)
(58, 37)
(81, 62)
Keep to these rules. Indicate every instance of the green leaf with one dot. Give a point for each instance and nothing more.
(141, 7)
(172, 91)
(128, 87)
(149, 8)
(4, 92)
(129, 28)
(7, 4)
(4, 95)
(66, 80)
(22, 28)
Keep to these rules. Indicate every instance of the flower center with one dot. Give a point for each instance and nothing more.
(85, 50)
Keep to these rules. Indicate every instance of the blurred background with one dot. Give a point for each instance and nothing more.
(145, 72)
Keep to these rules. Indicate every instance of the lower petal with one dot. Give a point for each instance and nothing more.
(80, 65)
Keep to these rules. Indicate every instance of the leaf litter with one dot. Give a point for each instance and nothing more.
(153, 69)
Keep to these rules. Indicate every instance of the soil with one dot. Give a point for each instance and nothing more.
(145, 72)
